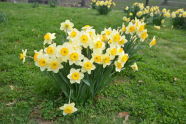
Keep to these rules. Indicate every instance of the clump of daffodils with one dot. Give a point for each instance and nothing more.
(133, 10)
(87, 61)
(103, 6)
(151, 14)
(93, 4)
(179, 18)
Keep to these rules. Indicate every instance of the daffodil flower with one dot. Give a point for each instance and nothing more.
(153, 42)
(68, 108)
(22, 55)
(134, 67)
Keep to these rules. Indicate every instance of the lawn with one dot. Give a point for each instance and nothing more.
(154, 94)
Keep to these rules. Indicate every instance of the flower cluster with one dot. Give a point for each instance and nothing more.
(179, 18)
(134, 9)
(103, 6)
(107, 3)
(93, 4)
(86, 62)
(152, 14)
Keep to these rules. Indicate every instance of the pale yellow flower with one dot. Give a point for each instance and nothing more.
(48, 38)
(153, 42)
(42, 61)
(97, 58)
(68, 108)
(75, 57)
(126, 8)
(131, 28)
(143, 35)
(72, 34)
(87, 65)
(118, 66)
(66, 26)
(134, 67)
(63, 51)
(51, 50)
(54, 65)
(123, 58)
(84, 39)
(157, 27)
(36, 54)
(22, 55)
(75, 76)
(106, 60)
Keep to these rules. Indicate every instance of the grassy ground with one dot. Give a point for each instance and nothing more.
(154, 94)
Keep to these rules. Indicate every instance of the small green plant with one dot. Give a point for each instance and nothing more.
(2, 17)
(35, 4)
(103, 10)
(53, 3)
(157, 19)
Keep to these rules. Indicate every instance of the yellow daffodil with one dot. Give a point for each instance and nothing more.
(143, 35)
(87, 65)
(86, 27)
(126, 8)
(84, 40)
(54, 65)
(118, 66)
(75, 57)
(134, 67)
(153, 42)
(157, 27)
(97, 58)
(97, 45)
(75, 76)
(51, 50)
(22, 55)
(72, 34)
(66, 26)
(139, 13)
(48, 38)
(123, 29)
(36, 54)
(123, 58)
(122, 41)
(131, 28)
(68, 108)
(106, 60)
(126, 19)
(112, 51)
(63, 51)
(42, 61)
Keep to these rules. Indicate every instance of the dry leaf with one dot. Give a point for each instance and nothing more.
(175, 79)
(11, 87)
(124, 115)
(140, 81)
(11, 103)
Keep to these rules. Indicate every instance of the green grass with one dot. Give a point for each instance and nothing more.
(154, 94)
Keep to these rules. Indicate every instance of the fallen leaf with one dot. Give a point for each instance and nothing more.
(175, 79)
(124, 115)
(140, 81)
(11, 87)
(11, 103)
